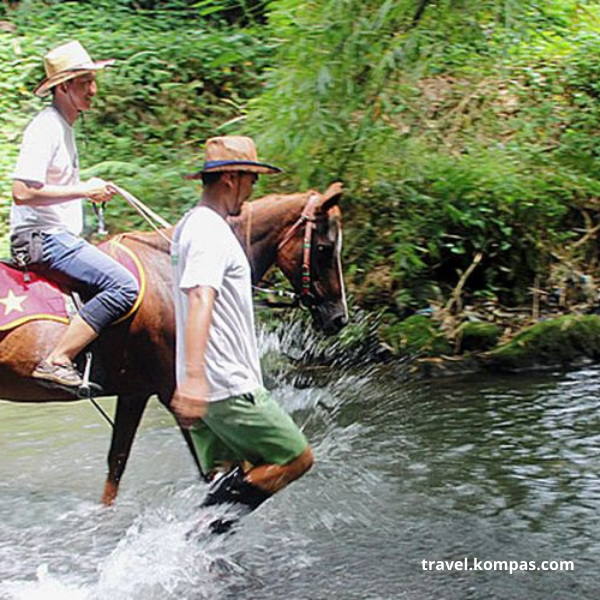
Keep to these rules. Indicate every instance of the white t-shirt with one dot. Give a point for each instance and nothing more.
(206, 253)
(48, 155)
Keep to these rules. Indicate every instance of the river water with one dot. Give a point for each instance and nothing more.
(464, 469)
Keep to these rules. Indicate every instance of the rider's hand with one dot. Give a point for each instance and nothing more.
(190, 402)
(98, 190)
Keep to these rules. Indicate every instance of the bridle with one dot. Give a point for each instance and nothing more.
(306, 297)
(307, 218)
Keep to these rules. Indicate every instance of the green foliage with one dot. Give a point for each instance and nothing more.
(457, 127)
(330, 70)
(416, 335)
(442, 210)
(476, 337)
(468, 129)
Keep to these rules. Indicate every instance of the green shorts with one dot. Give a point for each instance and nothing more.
(251, 427)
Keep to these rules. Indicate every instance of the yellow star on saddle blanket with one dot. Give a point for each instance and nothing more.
(12, 302)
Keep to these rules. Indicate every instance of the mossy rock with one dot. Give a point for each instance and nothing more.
(561, 341)
(479, 336)
(416, 334)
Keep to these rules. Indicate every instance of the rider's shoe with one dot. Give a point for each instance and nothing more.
(62, 375)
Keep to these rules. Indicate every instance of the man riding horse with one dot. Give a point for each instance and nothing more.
(47, 213)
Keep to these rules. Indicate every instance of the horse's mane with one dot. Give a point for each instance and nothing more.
(281, 208)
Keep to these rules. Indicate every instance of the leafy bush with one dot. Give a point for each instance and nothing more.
(457, 132)
(416, 335)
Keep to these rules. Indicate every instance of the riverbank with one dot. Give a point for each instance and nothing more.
(552, 341)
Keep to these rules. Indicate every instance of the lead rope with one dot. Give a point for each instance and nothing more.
(149, 215)
(249, 233)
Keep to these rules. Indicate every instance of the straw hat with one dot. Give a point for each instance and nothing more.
(232, 153)
(66, 62)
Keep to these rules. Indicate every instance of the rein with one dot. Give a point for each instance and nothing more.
(149, 215)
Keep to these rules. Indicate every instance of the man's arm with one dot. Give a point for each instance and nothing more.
(38, 194)
(190, 398)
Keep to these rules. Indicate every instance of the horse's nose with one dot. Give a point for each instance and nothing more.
(340, 322)
(335, 323)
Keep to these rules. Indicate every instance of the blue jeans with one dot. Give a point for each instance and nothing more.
(71, 260)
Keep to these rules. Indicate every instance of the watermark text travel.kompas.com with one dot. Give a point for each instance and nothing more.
(512, 566)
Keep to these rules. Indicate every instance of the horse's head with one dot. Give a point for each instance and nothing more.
(310, 257)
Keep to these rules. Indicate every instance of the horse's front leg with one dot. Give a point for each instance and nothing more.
(130, 409)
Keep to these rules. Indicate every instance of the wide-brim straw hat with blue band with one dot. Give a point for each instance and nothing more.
(232, 153)
(66, 62)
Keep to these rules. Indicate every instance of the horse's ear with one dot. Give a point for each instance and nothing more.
(331, 197)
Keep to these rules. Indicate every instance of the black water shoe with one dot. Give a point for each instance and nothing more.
(232, 488)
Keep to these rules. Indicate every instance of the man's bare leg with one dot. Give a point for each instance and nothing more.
(273, 478)
(77, 336)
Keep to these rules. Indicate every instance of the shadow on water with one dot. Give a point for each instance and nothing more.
(495, 469)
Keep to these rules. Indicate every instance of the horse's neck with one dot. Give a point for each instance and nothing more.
(265, 223)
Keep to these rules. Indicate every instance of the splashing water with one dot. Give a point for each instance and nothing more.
(45, 588)
(406, 471)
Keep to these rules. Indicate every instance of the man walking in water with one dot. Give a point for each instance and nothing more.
(248, 446)
(47, 217)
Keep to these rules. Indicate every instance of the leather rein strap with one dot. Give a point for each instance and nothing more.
(307, 218)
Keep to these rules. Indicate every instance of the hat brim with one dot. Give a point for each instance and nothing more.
(244, 166)
(43, 89)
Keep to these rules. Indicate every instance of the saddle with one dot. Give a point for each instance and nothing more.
(29, 296)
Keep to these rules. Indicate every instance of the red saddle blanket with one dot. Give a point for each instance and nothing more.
(28, 298)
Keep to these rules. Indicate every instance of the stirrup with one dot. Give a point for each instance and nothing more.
(88, 388)
(67, 379)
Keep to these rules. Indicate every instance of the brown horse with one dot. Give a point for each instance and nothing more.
(301, 233)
